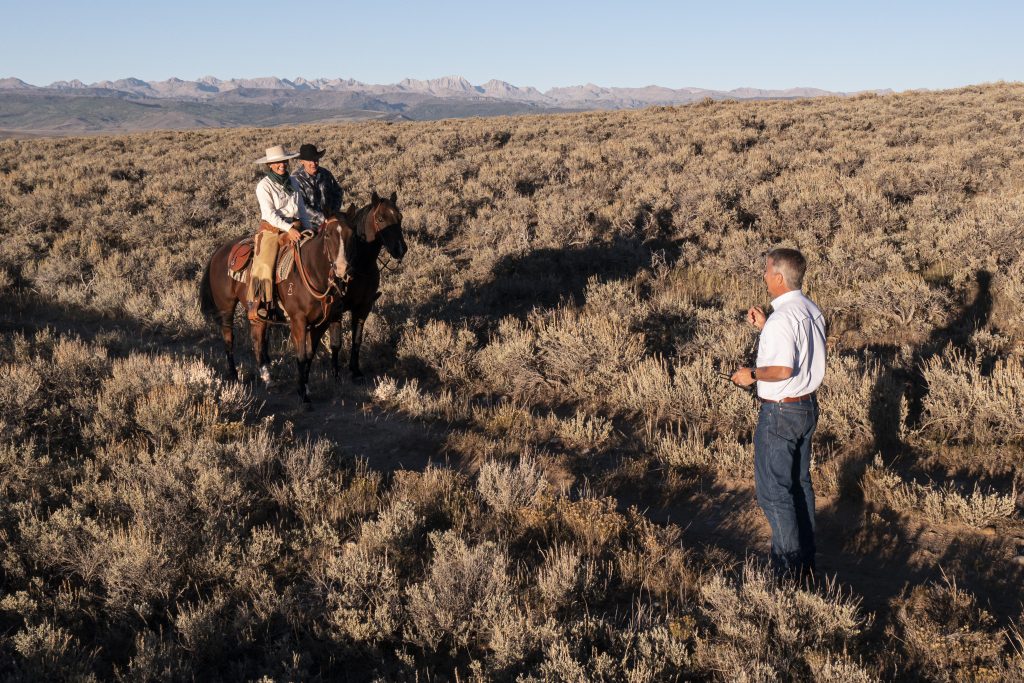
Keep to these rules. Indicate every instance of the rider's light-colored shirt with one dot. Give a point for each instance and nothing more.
(793, 337)
(280, 207)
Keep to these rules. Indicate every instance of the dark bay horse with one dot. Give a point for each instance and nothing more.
(310, 295)
(376, 225)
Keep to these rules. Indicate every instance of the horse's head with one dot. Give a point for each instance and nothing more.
(384, 222)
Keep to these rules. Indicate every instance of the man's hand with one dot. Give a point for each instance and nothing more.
(293, 234)
(741, 377)
(756, 317)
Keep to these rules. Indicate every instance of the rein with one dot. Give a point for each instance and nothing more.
(325, 297)
(386, 265)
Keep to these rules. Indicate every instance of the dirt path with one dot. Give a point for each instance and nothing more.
(874, 557)
(340, 412)
(387, 441)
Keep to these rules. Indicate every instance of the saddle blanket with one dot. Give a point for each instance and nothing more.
(240, 259)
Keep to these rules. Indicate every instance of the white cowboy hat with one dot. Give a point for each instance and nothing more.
(275, 154)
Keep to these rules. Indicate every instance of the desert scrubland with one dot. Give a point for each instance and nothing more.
(545, 479)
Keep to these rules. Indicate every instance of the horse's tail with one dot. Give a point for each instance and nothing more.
(206, 303)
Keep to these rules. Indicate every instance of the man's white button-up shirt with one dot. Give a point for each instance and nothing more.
(793, 337)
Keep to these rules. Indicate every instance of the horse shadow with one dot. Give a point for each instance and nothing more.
(535, 281)
(119, 334)
(542, 279)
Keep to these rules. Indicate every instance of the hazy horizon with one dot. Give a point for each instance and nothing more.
(297, 77)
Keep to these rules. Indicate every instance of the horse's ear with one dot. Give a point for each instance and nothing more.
(351, 210)
(374, 198)
(394, 197)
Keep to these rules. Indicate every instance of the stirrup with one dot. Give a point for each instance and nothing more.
(258, 312)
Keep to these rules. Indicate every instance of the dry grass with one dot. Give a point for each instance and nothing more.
(574, 285)
(939, 505)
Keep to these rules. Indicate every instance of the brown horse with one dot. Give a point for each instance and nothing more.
(376, 225)
(310, 296)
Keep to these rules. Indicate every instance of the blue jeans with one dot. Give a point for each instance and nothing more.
(782, 479)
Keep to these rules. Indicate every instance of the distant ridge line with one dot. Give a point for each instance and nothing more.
(447, 86)
(209, 102)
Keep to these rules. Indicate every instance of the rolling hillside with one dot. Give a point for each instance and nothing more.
(545, 478)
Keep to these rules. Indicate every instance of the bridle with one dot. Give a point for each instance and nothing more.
(374, 222)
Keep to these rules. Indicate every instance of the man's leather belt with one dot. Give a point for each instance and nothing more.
(790, 399)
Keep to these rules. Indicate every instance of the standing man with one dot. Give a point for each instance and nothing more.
(790, 368)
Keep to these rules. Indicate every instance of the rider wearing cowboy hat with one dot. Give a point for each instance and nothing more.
(282, 210)
(320, 192)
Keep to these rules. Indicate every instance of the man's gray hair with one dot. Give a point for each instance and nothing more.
(791, 263)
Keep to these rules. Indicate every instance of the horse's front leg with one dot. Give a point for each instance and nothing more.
(259, 349)
(358, 322)
(303, 353)
(336, 338)
(315, 336)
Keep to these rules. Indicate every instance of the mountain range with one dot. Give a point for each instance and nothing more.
(135, 104)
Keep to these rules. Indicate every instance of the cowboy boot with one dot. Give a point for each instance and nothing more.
(275, 313)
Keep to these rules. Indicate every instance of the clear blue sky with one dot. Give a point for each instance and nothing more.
(767, 44)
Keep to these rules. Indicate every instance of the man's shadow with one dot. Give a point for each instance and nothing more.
(886, 542)
(910, 381)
